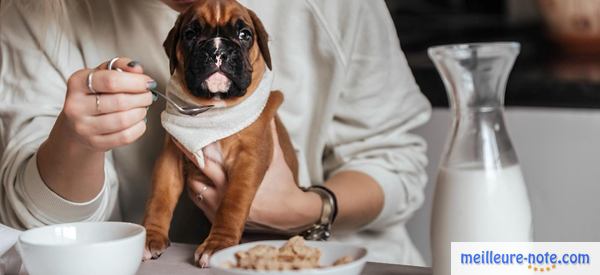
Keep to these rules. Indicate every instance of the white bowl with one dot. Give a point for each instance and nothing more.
(113, 248)
(330, 252)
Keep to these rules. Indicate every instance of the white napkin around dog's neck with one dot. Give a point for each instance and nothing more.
(195, 133)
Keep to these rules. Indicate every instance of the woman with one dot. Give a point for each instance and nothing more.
(351, 101)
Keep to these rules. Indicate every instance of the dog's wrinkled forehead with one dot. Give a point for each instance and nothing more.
(212, 16)
(218, 13)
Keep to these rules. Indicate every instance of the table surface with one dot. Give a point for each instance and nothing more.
(178, 260)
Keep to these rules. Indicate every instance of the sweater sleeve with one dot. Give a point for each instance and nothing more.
(379, 105)
(32, 90)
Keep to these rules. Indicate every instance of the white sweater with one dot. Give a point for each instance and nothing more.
(350, 104)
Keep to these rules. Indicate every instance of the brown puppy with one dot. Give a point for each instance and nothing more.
(219, 50)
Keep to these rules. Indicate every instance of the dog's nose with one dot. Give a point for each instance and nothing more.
(219, 53)
(220, 56)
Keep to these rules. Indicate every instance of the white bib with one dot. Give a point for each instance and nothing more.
(195, 133)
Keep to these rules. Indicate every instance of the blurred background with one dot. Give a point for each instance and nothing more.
(552, 99)
(552, 65)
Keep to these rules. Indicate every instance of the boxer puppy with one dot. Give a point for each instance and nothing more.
(218, 54)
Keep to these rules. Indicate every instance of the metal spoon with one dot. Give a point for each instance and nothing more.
(187, 110)
(190, 110)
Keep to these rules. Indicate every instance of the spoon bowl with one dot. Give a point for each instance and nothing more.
(189, 110)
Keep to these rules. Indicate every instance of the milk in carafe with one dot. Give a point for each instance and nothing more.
(480, 194)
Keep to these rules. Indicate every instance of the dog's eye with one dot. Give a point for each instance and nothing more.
(189, 34)
(245, 35)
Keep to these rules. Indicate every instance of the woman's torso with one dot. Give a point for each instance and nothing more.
(309, 65)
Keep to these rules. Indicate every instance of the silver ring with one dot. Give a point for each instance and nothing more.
(112, 62)
(199, 195)
(90, 82)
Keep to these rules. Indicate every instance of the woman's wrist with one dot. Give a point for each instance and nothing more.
(68, 167)
(309, 206)
(303, 211)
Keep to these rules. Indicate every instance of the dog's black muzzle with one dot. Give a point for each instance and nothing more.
(219, 54)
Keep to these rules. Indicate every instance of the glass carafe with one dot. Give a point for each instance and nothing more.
(480, 194)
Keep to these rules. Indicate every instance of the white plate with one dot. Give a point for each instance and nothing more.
(330, 252)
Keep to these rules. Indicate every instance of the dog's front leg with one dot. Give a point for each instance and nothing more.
(244, 175)
(167, 185)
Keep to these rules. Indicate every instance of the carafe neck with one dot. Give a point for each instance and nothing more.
(475, 75)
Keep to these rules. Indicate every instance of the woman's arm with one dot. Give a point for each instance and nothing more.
(71, 160)
(376, 167)
(62, 164)
(373, 164)
(81, 185)
(359, 197)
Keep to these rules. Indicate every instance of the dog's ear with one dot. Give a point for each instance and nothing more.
(170, 44)
(262, 38)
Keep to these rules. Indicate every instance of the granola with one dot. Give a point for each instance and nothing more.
(293, 255)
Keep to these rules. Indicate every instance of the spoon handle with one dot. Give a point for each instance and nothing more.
(190, 110)
(156, 92)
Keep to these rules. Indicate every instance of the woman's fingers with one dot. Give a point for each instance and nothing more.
(124, 64)
(121, 138)
(216, 173)
(111, 103)
(115, 122)
(212, 169)
(206, 197)
(105, 81)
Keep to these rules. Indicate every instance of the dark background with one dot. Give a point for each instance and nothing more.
(544, 75)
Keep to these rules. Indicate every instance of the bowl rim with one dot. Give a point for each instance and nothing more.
(140, 230)
(358, 261)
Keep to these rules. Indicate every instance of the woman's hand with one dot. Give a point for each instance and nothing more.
(112, 117)
(109, 115)
(279, 205)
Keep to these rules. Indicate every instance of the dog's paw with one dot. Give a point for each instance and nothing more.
(156, 244)
(210, 246)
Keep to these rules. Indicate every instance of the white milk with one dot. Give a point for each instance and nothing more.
(478, 205)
